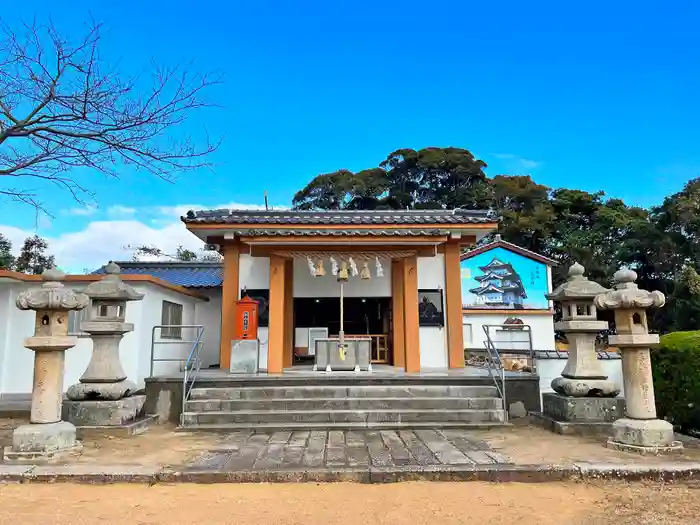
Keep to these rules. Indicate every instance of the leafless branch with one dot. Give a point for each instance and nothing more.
(63, 107)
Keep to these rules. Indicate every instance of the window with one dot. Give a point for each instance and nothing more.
(171, 315)
(75, 319)
(263, 299)
(430, 312)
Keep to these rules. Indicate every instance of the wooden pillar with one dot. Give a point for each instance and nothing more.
(229, 296)
(276, 337)
(410, 305)
(397, 316)
(288, 312)
(453, 306)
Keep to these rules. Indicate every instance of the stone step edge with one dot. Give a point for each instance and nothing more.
(542, 473)
(326, 399)
(354, 425)
(351, 411)
(314, 385)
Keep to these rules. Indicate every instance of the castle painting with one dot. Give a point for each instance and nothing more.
(502, 279)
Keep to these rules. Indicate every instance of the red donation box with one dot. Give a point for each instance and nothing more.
(246, 319)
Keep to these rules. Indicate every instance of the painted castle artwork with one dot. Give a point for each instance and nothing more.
(501, 279)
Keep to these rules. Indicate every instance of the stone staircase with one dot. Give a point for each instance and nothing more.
(344, 405)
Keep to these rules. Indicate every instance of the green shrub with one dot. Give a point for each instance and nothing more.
(676, 367)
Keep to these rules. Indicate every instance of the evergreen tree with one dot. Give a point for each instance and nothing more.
(33, 258)
(7, 260)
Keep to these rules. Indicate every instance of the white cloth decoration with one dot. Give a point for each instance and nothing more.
(380, 270)
(312, 269)
(353, 267)
(334, 266)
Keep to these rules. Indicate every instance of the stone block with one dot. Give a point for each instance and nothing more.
(103, 412)
(42, 441)
(583, 409)
(516, 410)
(642, 432)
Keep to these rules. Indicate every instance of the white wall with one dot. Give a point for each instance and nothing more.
(152, 306)
(306, 285)
(433, 339)
(548, 369)
(208, 314)
(17, 362)
(541, 325)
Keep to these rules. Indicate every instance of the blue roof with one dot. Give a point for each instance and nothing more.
(188, 274)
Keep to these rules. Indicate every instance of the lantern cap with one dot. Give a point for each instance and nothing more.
(627, 294)
(112, 287)
(52, 295)
(577, 286)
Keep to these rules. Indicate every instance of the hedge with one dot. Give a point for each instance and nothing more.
(676, 367)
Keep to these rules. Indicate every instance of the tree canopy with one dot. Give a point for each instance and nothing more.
(661, 243)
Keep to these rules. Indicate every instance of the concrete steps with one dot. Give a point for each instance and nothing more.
(320, 404)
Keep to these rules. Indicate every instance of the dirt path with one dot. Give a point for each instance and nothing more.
(350, 504)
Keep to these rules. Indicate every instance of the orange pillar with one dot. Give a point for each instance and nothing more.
(229, 296)
(276, 337)
(453, 306)
(410, 305)
(397, 316)
(288, 312)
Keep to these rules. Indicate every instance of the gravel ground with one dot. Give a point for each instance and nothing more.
(351, 504)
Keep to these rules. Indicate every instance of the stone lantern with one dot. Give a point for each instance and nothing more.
(639, 430)
(46, 435)
(585, 401)
(103, 397)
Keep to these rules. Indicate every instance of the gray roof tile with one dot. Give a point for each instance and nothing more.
(349, 218)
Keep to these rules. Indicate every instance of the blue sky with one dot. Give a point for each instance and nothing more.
(601, 95)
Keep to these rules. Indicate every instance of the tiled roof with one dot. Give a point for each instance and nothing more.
(188, 274)
(341, 218)
(498, 242)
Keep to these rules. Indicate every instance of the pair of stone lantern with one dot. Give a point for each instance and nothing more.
(585, 401)
(46, 436)
(103, 398)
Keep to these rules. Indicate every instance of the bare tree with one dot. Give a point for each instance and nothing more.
(62, 107)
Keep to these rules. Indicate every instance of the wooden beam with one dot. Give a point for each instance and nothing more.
(343, 240)
(420, 250)
(229, 296)
(410, 301)
(288, 312)
(276, 334)
(397, 315)
(453, 306)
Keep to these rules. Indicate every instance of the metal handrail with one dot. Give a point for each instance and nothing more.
(198, 337)
(493, 360)
(192, 367)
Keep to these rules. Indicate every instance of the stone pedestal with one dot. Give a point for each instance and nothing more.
(47, 437)
(583, 416)
(103, 400)
(640, 430)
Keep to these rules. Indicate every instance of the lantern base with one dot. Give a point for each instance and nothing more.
(37, 442)
(100, 391)
(585, 387)
(116, 413)
(645, 436)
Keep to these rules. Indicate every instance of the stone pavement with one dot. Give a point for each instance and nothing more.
(346, 449)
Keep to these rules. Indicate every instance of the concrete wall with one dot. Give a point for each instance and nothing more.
(17, 362)
(541, 325)
(433, 339)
